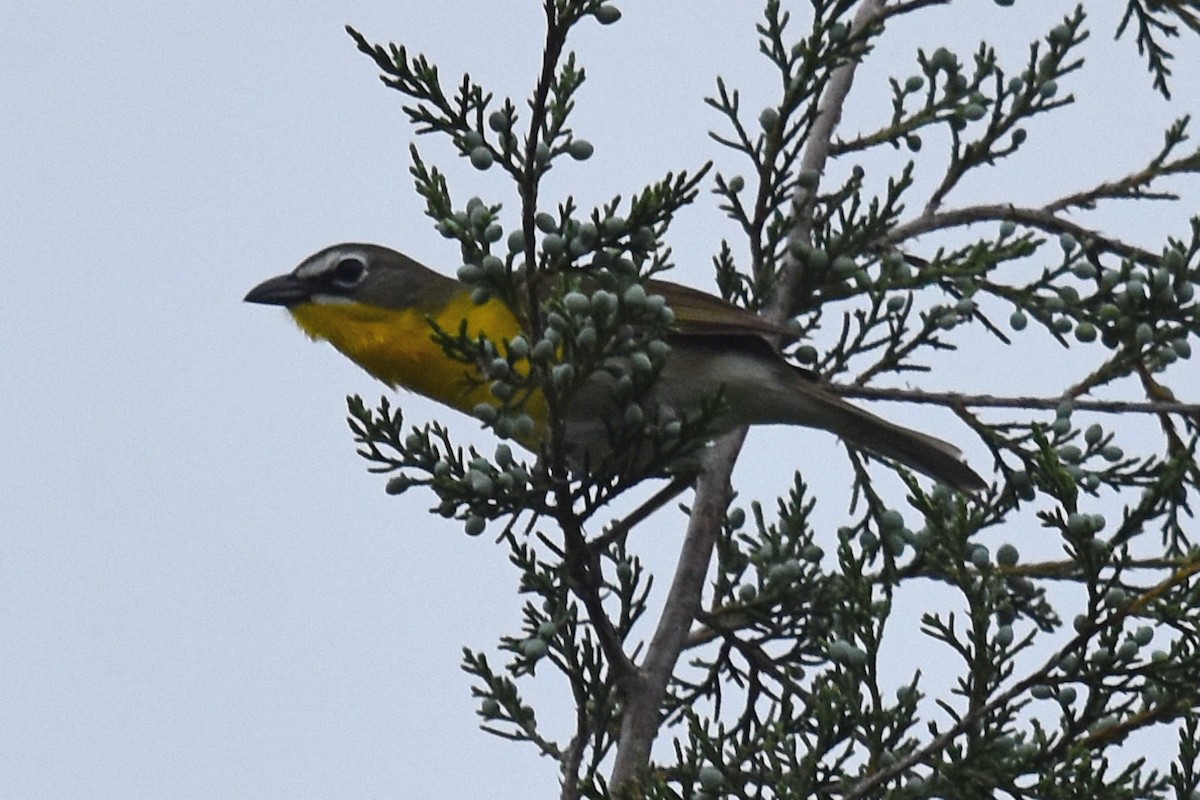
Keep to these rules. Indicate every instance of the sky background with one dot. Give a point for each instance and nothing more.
(203, 594)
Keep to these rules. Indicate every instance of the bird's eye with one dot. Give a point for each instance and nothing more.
(348, 271)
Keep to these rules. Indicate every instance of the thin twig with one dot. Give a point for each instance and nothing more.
(958, 400)
(587, 583)
(621, 528)
(968, 720)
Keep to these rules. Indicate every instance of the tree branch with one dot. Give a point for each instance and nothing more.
(1040, 218)
(639, 725)
(816, 155)
(643, 702)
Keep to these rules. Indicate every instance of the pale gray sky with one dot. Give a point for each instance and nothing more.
(203, 593)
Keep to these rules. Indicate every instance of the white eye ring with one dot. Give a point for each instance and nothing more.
(348, 271)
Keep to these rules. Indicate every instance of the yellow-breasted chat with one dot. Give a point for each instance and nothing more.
(379, 307)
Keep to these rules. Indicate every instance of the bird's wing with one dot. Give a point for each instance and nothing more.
(698, 313)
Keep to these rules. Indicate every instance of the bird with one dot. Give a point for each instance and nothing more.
(379, 308)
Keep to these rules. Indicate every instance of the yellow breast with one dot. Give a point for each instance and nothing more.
(396, 345)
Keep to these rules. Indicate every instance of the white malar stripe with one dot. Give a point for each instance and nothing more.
(331, 300)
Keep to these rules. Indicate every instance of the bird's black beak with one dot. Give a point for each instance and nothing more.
(282, 290)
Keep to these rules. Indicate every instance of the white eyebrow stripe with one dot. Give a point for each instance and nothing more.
(315, 267)
(311, 269)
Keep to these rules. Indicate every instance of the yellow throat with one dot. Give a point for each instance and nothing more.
(397, 347)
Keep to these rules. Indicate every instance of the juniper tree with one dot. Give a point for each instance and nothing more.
(761, 665)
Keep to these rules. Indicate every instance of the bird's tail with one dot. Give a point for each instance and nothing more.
(761, 388)
(940, 460)
(926, 454)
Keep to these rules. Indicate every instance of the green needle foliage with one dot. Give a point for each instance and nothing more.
(1076, 675)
